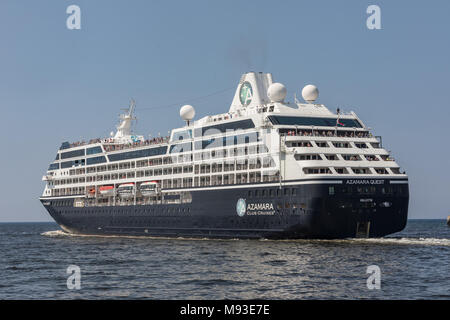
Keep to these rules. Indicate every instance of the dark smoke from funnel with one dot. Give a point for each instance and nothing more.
(248, 54)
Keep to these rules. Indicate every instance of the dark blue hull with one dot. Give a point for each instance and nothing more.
(320, 209)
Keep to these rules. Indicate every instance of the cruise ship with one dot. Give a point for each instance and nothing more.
(267, 168)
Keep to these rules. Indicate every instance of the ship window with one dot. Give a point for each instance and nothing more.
(72, 154)
(74, 163)
(371, 157)
(341, 170)
(53, 166)
(361, 170)
(95, 160)
(181, 147)
(321, 144)
(361, 145)
(331, 157)
(307, 157)
(227, 141)
(375, 145)
(351, 157)
(310, 121)
(381, 170)
(366, 190)
(316, 170)
(395, 170)
(221, 128)
(301, 144)
(138, 154)
(182, 135)
(94, 150)
(263, 149)
(331, 190)
(341, 144)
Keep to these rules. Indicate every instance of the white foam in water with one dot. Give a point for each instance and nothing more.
(413, 241)
(55, 233)
(61, 233)
(387, 241)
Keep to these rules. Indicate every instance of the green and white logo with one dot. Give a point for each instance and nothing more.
(246, 93)
(241, 207)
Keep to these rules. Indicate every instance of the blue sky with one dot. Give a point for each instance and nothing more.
(58, 84)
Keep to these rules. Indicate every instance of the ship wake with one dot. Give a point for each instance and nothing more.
(350, 241)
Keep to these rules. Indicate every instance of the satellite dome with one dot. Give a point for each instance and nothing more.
(276, 92)
(310, 93)
(187, 112)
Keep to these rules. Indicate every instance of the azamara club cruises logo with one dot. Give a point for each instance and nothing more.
(241, 207)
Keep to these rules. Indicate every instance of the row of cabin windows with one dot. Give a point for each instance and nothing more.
(232, 152)
(202, 181)
(273, 192)
(398, 189)
(228, 178)
(345, 170)
(336, 144)
(347, 157)
(170, 160)
(244, 164)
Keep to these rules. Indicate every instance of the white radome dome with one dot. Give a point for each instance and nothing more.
(187, 112)
(276, 92)
(310, 93)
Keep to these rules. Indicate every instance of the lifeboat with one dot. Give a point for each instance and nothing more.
(149, 188)
(106, 190)
(126, 190)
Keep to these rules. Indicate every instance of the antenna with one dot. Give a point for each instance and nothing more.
(132, 105)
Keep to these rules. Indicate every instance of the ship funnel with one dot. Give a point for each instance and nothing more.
(252, 91)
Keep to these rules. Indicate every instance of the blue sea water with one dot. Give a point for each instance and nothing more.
(414, 264)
